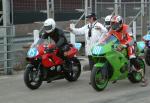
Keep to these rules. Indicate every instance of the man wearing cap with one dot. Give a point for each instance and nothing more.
(93, 32)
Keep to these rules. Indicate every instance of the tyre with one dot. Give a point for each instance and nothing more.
(136, 77)
(74, 72)
(147, 56)
(99, 78)
(32, 78)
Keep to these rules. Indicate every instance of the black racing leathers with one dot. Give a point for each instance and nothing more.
(59, 38)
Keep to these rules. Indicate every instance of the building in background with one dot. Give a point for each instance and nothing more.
(28, 11)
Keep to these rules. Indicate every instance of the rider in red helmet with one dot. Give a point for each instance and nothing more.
(123, 34)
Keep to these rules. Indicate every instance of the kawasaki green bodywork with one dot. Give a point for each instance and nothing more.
(108, 53)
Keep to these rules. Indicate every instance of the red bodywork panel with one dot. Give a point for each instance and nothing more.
(51, 59)
(73, 51)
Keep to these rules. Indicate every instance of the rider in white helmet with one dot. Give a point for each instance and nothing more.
(107, 22)
(54, 33)
(57, 35)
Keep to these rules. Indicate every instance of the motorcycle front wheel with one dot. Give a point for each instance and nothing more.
(99, 78)
(32, 78)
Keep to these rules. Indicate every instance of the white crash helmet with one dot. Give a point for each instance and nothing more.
(107, 21)
(49, 25)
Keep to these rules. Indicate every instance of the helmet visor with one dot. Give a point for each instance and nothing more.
(115, 26)
(48, 27)
(107, 22)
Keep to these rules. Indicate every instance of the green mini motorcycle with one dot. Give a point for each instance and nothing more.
(113, 65)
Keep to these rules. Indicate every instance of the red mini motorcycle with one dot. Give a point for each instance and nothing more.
(47, 66)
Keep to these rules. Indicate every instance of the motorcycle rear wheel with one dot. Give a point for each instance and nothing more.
(73, 73)
(134, 76)
(32, 78)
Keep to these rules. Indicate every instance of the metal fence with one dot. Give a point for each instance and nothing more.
(130, 11)
(12, 54)
(6, 45)
(29, 5)
(28, 11)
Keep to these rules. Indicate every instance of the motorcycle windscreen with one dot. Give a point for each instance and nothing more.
(37, 42)
(101, 49)
(147, 37)
(113, 39)
(37, 47)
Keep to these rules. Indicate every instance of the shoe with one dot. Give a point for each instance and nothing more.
(115, 81)
(49, 80)
(89, 83)
(144, 83)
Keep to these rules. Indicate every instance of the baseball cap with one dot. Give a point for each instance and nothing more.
(91, 15)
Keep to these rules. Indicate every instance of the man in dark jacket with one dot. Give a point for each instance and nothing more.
(56, 35)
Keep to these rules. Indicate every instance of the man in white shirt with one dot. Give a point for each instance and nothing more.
(93, 32)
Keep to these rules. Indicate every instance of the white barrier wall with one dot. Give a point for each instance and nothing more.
(72, 36)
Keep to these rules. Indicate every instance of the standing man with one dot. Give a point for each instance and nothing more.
(93, 32)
